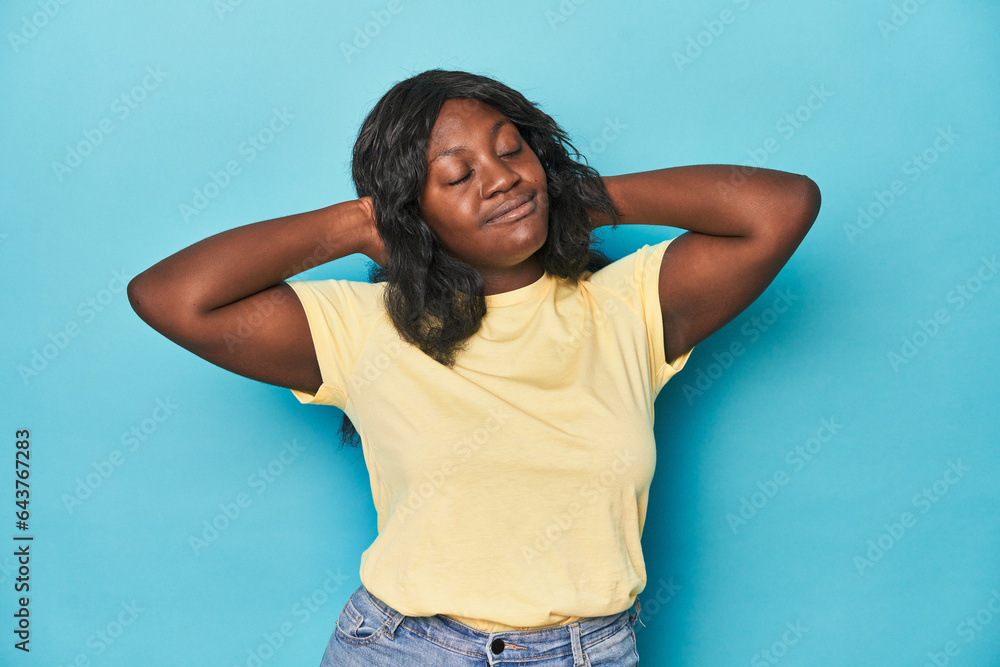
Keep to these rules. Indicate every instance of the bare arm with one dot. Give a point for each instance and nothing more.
(739, 238)
(224, 298)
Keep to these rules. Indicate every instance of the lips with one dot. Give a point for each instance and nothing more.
(508, 206)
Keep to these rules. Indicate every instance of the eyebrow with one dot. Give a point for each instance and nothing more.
(454, 150)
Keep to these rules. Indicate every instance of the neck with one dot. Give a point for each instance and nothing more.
(497, 281)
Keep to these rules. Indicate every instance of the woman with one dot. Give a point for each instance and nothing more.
(499, 371)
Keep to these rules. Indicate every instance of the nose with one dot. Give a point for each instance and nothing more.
(498, 176)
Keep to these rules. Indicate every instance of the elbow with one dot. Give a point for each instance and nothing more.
(148, 300)
(138, 294)
(791, 213)
(160, 304)
(808, 202)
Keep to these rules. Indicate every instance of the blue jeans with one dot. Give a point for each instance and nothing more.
(370, 633)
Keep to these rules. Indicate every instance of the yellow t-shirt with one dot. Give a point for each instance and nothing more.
(511, 488)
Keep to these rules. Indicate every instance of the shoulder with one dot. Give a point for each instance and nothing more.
(353, 296)
(353, 289)
(636, 271)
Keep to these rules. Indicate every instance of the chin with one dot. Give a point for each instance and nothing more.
(539, 235)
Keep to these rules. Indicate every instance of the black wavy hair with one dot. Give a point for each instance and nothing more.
(427, 290)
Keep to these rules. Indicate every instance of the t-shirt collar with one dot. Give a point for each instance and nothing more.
(521, 294)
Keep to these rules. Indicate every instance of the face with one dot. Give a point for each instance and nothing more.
(479, 171)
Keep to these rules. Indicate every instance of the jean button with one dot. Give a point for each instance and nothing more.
(496, 646)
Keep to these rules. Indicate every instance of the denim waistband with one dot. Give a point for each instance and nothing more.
(501, 646)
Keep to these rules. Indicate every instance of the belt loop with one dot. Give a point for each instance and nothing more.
(397, 618)
(574, 638)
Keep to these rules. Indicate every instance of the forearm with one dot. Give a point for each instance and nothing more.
(238, 262)
(710, 200)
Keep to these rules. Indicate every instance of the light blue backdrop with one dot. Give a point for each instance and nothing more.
(827, 478)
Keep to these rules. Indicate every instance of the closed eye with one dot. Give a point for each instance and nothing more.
(466, 177)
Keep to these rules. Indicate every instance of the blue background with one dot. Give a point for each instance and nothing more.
(638, 85)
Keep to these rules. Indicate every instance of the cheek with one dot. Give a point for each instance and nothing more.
(441, 203)
(543, 205)
(448, 219)
(431, 210)
(458, 213)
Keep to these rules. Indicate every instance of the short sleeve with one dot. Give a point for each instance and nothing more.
(635, 279)
(341, 314)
